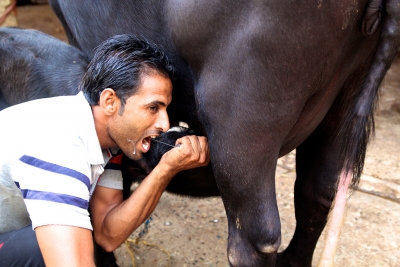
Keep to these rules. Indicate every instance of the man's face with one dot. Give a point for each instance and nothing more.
(144, 115)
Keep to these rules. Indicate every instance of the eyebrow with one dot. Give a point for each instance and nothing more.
(160, 103)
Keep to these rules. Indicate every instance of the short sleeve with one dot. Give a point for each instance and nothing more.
(112, 176)
(55, 187)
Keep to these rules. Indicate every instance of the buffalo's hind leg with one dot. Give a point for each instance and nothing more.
(318, 170)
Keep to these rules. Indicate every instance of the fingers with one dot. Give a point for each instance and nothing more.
(190, 152)
(195, 148)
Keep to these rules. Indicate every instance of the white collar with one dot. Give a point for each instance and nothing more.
(95, 154)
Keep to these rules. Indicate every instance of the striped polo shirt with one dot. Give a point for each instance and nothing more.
(50, 162)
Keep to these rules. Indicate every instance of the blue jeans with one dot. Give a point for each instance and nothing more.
(20, 248)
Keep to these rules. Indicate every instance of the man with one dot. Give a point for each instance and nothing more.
(53, 151)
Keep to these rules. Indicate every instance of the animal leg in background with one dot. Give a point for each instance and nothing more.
(315, 187)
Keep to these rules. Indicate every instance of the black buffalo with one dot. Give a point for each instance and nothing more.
(261, 78)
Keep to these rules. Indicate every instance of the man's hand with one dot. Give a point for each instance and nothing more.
(191, 152)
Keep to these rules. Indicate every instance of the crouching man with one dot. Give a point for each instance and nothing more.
(53, 152)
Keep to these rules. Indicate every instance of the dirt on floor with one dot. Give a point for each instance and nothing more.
(193, 232)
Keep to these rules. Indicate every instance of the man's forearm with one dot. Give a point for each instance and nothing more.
(115, 219)
(127, 216)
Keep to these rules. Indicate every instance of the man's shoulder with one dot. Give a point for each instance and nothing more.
(43, 122)
(41, 106)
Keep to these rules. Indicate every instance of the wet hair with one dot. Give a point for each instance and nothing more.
(119, 63)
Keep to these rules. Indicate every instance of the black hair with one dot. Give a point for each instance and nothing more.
(118, 63)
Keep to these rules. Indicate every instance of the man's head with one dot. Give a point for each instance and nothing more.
(119, 63)
(128, 85)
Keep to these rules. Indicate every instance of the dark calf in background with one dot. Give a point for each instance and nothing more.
(36, 65)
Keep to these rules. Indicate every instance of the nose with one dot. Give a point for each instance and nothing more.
(162, 122)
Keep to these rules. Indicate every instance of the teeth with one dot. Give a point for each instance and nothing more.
(146, 146)
(153, 136)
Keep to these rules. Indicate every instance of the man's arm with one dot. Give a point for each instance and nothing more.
(65, 245)
(114, 219)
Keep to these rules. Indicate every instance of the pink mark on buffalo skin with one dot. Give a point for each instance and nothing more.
(335, 221)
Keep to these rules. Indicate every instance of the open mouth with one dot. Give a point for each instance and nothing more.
(146, 143)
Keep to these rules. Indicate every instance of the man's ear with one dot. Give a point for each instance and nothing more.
(109, 101)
